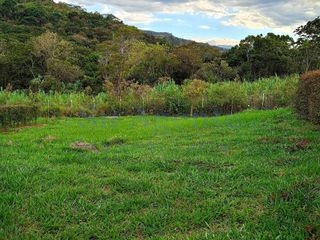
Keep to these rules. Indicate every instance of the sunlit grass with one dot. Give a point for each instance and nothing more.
(253, 175)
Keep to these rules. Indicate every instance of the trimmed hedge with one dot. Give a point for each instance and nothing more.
(15, 115)
(308, 96)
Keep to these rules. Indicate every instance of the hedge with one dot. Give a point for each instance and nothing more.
(15, 115)
(308, 96)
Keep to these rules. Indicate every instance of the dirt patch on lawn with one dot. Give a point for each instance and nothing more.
(83, 146)
(301, 145)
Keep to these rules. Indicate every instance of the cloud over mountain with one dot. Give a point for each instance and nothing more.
(255, 14)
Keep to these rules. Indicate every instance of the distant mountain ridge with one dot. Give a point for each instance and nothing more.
(169, 37)
(176, 41)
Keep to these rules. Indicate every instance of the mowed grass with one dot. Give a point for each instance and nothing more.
(253, 175)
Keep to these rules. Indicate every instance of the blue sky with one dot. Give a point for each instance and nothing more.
(218, 22)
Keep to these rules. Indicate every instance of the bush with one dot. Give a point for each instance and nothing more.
(14, 115)
(195, 91)
(167, 98)
(226, 98)
(308, 96)
(270, 93)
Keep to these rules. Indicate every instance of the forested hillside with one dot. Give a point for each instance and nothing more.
(58, 47)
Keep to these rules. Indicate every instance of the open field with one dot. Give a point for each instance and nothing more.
(253, 175)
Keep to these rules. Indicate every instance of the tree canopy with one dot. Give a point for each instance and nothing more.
(56, 46)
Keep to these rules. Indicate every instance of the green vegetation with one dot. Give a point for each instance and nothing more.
(253, 175)
(166, 98)
(17, 115)
(308, 96)
(51, 46)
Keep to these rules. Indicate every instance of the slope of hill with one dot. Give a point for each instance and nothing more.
(23, 20)
(26, 26)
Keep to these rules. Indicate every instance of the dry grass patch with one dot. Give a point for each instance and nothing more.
(83, 146)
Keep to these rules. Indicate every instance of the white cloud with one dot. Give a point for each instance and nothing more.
(253, 14)
(223, 41)
(218, 41)
(253, 20)
(207, 7)
(140, 17)
(206, 27)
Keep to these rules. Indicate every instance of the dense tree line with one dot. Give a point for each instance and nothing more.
(49, 46)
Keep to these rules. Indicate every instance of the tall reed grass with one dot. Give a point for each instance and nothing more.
(164, 99)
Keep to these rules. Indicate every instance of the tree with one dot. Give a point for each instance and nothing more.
(195, 91)
(192, 56)
(215, 72)
(15, 63)
(50, 45)
(308, 45)
(35, 15)
(56, 58)
(262, 56)
(115, 53)
(8, 8)
(146, 63)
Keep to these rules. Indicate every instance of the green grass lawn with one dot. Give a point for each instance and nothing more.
(253, 175)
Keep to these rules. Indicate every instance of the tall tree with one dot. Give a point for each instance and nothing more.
(146, 63)
(262, 56)
(55, 57)
(309, 45)
(115, 53)
(192, 56)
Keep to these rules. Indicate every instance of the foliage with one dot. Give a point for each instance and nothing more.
(74, 50)
(272, 92)
(146, 63)
(55, 58)
(165, 98)
(308, 45)
(14, 115)
(262, 56)
(115, 53)
(45, 28)
(227, 98)
(215, 72)
(195, 92)
(308, 96)
(191, 57)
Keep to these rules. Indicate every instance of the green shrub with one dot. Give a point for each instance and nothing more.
(14, 98)
(270, 93)
(195, 92)
(14, 115)
(167, 98)
(226, 98)
(308, 96)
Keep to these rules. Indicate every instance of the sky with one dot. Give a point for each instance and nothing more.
(219, 22)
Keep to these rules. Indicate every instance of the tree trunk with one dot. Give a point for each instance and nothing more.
(191, 110)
